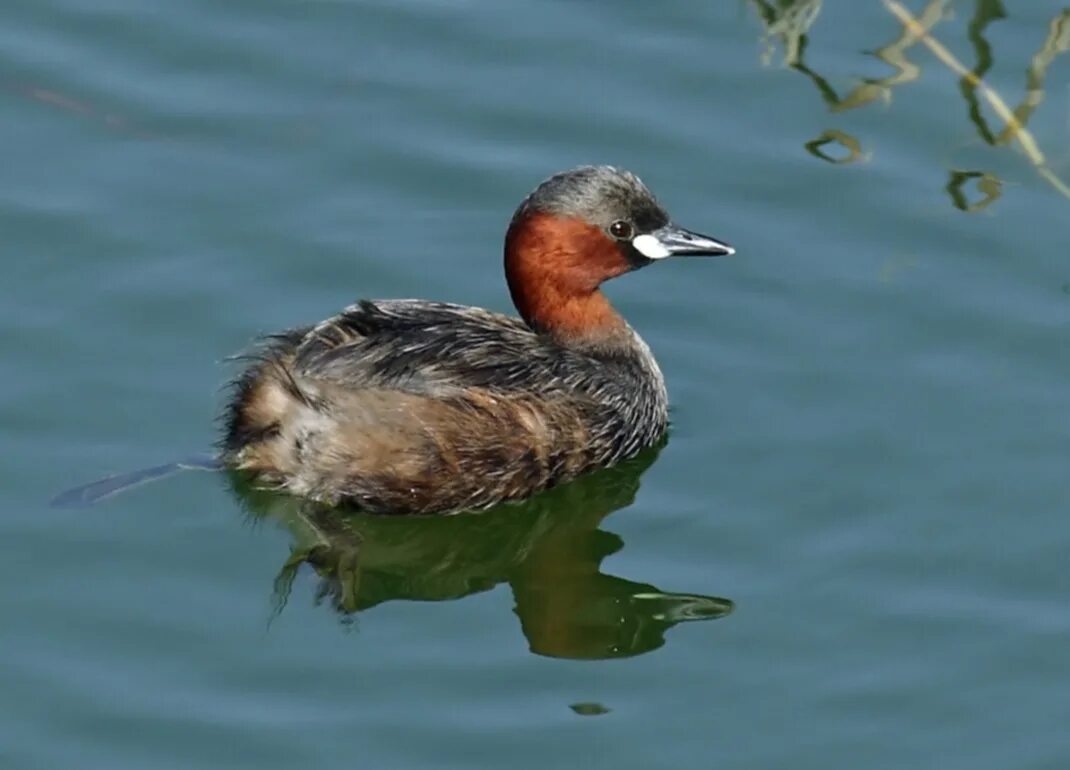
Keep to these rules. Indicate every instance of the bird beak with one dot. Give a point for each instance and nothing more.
(673, 241)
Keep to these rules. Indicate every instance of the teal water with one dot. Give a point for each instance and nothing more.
(851, 552)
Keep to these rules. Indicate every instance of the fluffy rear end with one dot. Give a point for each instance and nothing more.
(265, 399)
(389, 451)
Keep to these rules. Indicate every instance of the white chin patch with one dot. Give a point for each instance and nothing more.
(650, 247)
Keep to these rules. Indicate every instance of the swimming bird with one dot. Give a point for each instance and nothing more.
(409, 406)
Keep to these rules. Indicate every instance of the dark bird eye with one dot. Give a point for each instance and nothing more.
(620, 229)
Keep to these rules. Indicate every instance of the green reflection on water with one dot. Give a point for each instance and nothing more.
(850, 144)
(988, 185)
(548, 550)
(790, 21)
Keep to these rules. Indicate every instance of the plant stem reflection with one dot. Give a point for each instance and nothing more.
(789, 22)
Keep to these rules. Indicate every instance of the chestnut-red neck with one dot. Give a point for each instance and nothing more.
(554, 266)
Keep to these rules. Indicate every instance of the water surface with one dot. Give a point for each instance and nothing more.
(852, 549)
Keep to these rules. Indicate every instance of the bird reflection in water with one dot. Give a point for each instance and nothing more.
(548, 549)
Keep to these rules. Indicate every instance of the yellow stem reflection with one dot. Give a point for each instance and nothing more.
(1015, 129)
(894, 55)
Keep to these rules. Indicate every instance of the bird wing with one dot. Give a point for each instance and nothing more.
(428, 348)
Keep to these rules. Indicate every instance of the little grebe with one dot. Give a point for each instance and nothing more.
(409, 406)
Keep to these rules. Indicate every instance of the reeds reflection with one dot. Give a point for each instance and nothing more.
(790, 21)
(986, 184)
(548, 550)
(851, 149)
